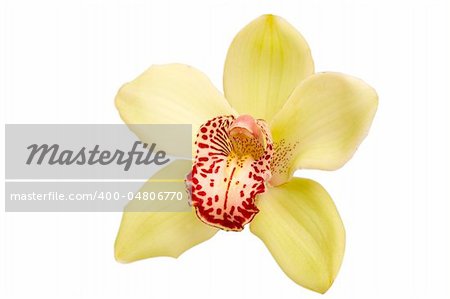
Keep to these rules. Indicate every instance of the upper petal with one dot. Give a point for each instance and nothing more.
(149, 234)
(299, 224)
(265, 62)
(321, 125)
(170, 94)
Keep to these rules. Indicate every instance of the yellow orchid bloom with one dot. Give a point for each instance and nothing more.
(277, 116)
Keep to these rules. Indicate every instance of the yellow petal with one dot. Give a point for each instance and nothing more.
(265, 62)
(149, 234)
(170, 94)
(322, 123)
(299, 224)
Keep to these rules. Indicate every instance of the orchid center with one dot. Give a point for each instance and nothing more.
(231, 167)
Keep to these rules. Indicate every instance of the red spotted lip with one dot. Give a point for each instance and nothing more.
(231, 167)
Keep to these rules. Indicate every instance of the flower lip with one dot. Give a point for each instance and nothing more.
(231, 167)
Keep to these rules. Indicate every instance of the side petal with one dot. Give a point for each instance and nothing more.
(322, 123)
(299, 224)
(150, 234)
(170, 94)
(265, 62)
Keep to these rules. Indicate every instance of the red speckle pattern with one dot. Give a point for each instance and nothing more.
(228, 173)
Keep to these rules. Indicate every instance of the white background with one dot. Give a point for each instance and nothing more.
(62, 62)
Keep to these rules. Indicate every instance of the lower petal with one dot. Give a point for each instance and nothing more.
(149, 234)
(299, 224)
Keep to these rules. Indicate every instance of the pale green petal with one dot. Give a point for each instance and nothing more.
(170, 94)
(322, 123)
(150, 234)
(265, 62)
(299, 224)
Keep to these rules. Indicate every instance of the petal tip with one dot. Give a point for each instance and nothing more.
(119, 255)
(269, 18)
(120, 258)
(323, 288)
(123, 254)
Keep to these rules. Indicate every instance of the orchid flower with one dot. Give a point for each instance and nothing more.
(276, 116)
